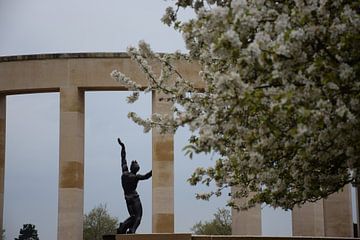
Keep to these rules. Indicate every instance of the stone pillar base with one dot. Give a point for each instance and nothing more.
(154, 236)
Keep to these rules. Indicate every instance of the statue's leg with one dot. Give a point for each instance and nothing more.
(128, 223)
(121, 229)
(138, 215)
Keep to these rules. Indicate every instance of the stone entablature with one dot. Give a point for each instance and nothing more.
(86, 71)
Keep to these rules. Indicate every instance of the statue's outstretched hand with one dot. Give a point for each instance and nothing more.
(120, 142)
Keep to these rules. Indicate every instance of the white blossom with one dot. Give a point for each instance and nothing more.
(122, 78)
(298, 34)
(332, 86)
(346, 71)
(238, 4)
(133, 97)
(233, 37)
(282, 23)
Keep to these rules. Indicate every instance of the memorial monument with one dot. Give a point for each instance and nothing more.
(129, 182)
(71, 75)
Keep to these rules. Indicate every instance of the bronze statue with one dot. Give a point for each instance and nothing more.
(129, 181)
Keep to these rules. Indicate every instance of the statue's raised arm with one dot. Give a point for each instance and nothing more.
(124, 166)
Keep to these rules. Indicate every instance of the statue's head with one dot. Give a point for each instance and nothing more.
(134, 167)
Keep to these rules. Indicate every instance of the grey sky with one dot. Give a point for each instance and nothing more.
(40, 26)
(49, 26)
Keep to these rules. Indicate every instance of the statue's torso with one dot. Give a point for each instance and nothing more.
(129, 182)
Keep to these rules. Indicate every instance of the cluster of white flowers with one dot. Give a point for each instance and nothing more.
(122, 78)
(281, 104)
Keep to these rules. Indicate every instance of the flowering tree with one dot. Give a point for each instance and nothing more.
(281, 103)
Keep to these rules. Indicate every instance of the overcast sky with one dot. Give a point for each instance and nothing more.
(32, 139)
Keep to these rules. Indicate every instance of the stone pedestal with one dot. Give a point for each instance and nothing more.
(158, 236)
(163, 174)
(331, 217)
(185, 236)
(71, 169)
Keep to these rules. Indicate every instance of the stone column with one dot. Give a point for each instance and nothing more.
(71, 168)
(309, 219)
(331, 217)
(246, 222)
(2, 155)
(163, 174)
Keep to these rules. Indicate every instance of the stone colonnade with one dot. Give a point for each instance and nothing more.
(327, 217)
(331, 217)
(72, 75)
